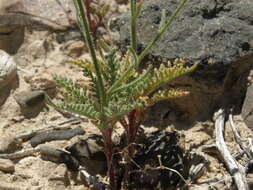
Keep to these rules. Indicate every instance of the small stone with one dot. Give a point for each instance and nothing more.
(35, 183)
(31, 102)
(28, 99)
(8, 144)
(65, 36)
(6, 165)
(8, 75)
(101, 31)
(89, 152)
(75, 48)
(42, 83)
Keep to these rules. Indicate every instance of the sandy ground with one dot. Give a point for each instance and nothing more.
(41, 63)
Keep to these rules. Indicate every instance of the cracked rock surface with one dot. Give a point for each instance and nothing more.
(207, 30)
(216, 33)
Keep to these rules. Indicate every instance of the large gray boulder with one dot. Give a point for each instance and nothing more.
(216, 33)
(50, 13)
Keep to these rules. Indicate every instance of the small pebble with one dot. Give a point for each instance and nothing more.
(75, 48)
(32, 98)
(7, 165)
(8, 144)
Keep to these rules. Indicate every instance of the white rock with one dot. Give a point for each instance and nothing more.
(8, 69)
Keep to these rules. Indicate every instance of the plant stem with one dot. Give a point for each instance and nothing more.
(88, 11)
(89, 40)
(162, 31)
(108, 150)
(133, 25)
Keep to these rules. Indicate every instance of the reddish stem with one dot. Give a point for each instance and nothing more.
(109, 151)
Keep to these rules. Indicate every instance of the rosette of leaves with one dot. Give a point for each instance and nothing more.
(117, 91)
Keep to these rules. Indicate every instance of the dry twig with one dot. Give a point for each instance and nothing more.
(234, 168)
(162, 167)
(238, 138)
(51, 126)
(20, 154)
(250, 145)
(92, 180)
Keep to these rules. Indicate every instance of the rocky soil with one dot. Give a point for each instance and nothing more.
(42, 53)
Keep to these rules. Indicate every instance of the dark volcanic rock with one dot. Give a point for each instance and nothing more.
(56, 135)
(207, 30)
(89, 152)
(216, 33)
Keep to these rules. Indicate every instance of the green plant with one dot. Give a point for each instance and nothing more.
(118, 91)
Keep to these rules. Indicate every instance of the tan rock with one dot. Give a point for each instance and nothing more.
(75, 48)
(8, 144)
(39, 83)
(6, 165)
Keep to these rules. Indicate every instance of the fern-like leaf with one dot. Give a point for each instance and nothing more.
(120, 109)
(166, 94)
(110, 67)
(73, 92)
(165, 74)
(136, 85)
(87, 110)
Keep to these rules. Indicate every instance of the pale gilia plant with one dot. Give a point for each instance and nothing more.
(117, 91)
